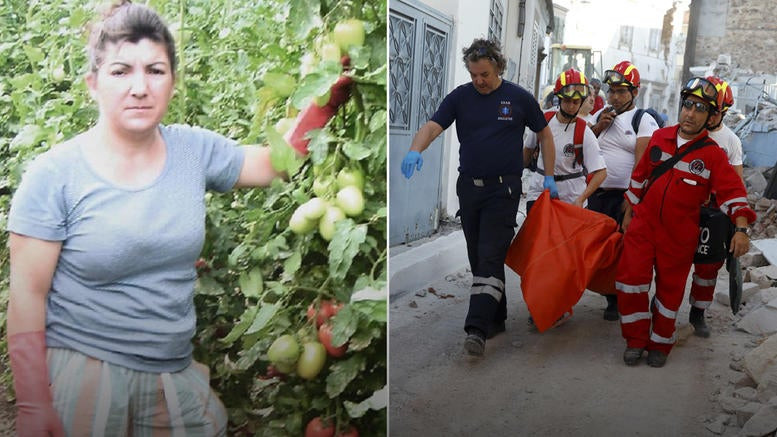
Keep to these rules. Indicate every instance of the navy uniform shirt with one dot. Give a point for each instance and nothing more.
(490, 127)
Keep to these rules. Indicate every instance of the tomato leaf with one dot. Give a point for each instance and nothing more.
(344, 247)
(303, 17)
(291, 266)
(251, 283)
(282, 156)
(344, 325)
(266, 313)
(208, 286)
(341, 373)
(318, 147)
(356, 150)
(378, 401)
(249, 356)
(245, 321)
(315, 84)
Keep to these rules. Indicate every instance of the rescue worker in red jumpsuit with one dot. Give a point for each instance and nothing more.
(662, 233)
(706, 275)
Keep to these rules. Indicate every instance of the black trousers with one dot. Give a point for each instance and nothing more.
(608, 202)
(488, 221)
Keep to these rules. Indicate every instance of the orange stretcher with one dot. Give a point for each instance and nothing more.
(560, 251)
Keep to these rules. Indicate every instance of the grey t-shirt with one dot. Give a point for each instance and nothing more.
(123, 288)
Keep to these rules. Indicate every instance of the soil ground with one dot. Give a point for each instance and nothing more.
(569, 380)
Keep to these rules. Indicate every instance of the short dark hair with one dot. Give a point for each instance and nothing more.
(488, 49)
(124, 21)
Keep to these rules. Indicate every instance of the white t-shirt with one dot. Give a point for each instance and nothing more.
(563, 136)
(618, 142)
(729, 142)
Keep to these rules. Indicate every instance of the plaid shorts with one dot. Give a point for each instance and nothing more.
(96, 398)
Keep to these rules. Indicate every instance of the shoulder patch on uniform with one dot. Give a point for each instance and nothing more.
(696, 166)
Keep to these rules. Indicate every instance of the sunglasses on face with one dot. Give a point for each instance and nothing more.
(697, 106)
(613, 78)
(573, 92)
(705, 87)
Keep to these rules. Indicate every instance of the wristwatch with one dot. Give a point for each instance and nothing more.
(746, 231)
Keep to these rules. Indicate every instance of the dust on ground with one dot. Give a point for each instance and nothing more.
(569, 380)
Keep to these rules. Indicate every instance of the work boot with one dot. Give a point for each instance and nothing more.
(495, 328)
(656, 358)
(475, 343)
(632, 355)
(611, 312)
(700, 328)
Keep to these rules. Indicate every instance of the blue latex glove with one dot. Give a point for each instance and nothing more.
(412, 159)
(550, 184)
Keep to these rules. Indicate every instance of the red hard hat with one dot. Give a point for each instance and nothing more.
(566, 81)
(624, 73)
(725, 95)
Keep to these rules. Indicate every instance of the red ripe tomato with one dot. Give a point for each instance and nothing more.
(325, 311)
(317, 428)
(352, 432)
(325, 337)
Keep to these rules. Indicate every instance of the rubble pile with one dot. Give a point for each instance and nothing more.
(756, 182)
(749, 402)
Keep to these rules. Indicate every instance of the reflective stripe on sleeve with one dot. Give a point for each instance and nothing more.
(729, 204)
(486, 289)
(704, 282)
(701, 304)
(658, 339)
(631, 318)
(492, 281)
(684, 166)
(635, 184)
(632, 197)
(664, 311)
(641, 288)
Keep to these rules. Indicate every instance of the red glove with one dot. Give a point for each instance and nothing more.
(35, 415)
(316, 117)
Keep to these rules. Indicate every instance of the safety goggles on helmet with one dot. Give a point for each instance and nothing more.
(703, 88)
(698, 106)
(573, 91)
(613, 78)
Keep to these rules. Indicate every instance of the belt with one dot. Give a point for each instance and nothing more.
(562, 177)
(492, 180)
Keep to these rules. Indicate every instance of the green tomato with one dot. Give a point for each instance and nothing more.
(284, 125)
(284, 351)
(299, 223)
(351, 200)
(58, 74)
(285, 368)
(326, 226)
(348, 177)
(314, 208)
(322, 100)
(312, 360)
(322, 187)
(283, 84)
(349, 33)
(330, 52)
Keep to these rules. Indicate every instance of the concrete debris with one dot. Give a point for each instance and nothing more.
(763, 422)
(761, 321)
(746, 393)
(757, 183)
(760, 277)
(745, 412)
(753, 258)
(749, 289)
(718, 426)
(761, 362)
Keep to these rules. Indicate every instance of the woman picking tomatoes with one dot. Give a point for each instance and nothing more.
(105, 229)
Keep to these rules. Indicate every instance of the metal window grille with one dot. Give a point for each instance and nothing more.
(495, 16)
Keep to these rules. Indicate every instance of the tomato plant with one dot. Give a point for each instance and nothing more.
(243, 67)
